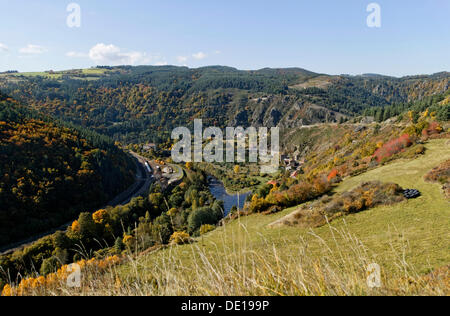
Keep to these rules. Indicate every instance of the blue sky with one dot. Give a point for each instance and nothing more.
(326, 36)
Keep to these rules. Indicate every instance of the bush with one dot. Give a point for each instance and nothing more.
(393, 147)
(295, 195)
(49, 265)
(206, 229)
(180, 238)
(367, 195)
(441, 174)
(202, 216)
(334, 176)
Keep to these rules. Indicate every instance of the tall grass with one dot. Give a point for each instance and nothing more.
(236, 269)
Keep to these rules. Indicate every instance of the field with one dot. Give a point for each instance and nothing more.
(84, 74)
(245, 257)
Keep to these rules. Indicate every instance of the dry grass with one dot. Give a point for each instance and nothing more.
(441, 174)
(239, 270)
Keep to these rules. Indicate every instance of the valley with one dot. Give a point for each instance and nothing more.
(178, 225)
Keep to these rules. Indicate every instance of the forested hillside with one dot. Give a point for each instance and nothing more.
(51, 171)
(136, 104)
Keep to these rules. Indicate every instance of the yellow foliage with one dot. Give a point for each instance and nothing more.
(27, 286)
(172, 212)
(274, 189)
(100, 216)
(206, 229)
(180, 238)
(336, 160)
(128, 240)
(7, 291)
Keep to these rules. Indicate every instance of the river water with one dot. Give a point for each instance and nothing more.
(219, 192)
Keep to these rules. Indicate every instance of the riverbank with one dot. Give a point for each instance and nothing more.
(247, 179)
(218, 190)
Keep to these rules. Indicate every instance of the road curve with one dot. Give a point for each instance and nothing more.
(140, 187)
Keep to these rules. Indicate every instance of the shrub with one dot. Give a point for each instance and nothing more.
(334, 177)
(180, 238)
(295, 195)
(128, 240)
(100, 217)
(202, 216)
(441, 174)
(393, 147)
(206, 229)
(367, 195)
(433, 129)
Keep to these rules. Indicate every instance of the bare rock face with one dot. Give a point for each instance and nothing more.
(283, 111)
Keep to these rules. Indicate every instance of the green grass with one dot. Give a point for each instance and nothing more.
(59, 74)
(94, 71)
(39, 74)
(413, 235)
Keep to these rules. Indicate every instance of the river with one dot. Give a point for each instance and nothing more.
(219, 192)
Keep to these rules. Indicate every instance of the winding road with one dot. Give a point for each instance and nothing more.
(143, 181)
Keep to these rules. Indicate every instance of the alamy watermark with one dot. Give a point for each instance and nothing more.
(74, 18)
(209, 146)
(374, 18)
(374, 276)
(74, 278)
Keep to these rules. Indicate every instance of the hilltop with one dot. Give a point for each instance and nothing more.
(135, 104)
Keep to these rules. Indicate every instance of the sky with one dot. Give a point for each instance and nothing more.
(324, 36)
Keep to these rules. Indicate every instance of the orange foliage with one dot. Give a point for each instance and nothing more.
(100, 216)
(75, 227)
(333, 174)
(30, 285)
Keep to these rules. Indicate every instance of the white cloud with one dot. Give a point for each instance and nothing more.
(31, 49)
(3, 48)
(113, 55)
(76, 55)
(182, 59)
(200, 56)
